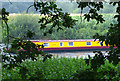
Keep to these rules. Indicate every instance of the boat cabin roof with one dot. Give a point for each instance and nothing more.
(64, 40)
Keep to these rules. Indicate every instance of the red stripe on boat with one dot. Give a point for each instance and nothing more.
(76, 48)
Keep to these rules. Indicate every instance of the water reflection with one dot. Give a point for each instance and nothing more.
(76, 54)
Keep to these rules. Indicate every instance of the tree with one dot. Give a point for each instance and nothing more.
(112, 38)
(56, 18)
(51, 16)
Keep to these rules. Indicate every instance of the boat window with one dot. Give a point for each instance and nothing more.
(61, 44)
(70, 44)
(45, 44)
(88, 43)
(101, 43)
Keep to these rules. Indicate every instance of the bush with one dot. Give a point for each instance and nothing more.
(64, 68)
(55, 68)
(108, 71)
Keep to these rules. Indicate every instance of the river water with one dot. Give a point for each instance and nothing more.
(76, 54)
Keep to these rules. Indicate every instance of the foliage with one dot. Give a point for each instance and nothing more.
(112, 38)
(29, 50)
(108, 71)
(0, 34)
(101, 67)
(56, 18)
(70, 7)
(108, 8)
(53, 16)
(20, 25)
(5, 20)
(65, 68)
(84, 30)
(55, 68)
(18, 7)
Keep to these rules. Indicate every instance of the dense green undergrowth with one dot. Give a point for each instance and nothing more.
(55, 68)
(64, 68)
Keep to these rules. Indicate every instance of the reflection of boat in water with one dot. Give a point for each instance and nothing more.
(71, 45)
(77, 54)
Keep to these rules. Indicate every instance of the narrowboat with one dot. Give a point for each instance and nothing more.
(71, 45)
